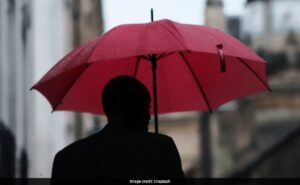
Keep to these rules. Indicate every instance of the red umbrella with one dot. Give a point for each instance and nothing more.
(197, 67)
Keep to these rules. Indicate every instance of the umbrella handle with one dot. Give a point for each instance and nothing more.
(222, 58)
(154, 65)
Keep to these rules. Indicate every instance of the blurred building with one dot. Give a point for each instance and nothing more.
(257, 135)
(252, 139)
(233, 26)
(34, 35)
(276, 37)
(271, 27)
(214, 16)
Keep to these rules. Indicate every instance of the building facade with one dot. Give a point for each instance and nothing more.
(262, 120)
(242, 134)
(271, 27)
(214, 15)
(34, 35)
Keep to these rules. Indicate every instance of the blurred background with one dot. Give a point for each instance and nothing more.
(256, 136)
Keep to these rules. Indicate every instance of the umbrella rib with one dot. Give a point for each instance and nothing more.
(179, 42)
(137, 64)
(165, 55)
(254, 73)
(60, 102)
(140, 37)
(160, 56)
(197, 81)
(86, 66)
(145, 57)
(57, 65)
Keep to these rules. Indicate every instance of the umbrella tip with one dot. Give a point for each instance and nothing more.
(151, 14)
(269, 89)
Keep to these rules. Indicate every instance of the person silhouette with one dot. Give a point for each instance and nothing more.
(124, 147)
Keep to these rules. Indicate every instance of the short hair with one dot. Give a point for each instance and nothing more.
(125, 95)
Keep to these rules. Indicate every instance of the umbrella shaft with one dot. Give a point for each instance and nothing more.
(154, 61)
(152, 15)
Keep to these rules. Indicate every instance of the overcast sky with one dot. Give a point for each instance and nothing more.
(118, 12)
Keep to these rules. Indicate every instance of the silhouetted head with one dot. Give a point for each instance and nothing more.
(126, 102)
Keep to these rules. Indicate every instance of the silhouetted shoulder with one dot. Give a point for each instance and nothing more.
(164, 141)
(71, 160)
(160, 137)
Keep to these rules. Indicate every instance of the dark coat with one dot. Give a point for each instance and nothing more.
(120, 152)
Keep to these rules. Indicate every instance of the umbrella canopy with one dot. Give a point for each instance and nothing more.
(197, 68)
